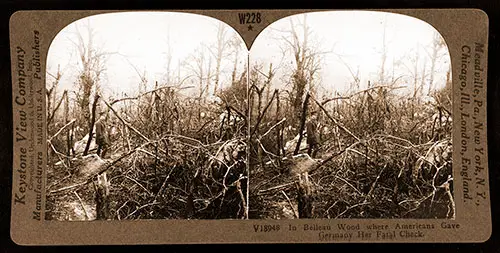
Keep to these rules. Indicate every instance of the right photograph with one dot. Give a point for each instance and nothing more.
(350, 117)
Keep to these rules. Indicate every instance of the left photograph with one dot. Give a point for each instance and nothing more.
(145, 119)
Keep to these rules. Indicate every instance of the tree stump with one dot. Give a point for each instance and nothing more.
(304, 198)
(102, 197)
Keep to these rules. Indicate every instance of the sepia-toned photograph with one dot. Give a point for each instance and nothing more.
(350, 117)
(146, 119)
(249, 126)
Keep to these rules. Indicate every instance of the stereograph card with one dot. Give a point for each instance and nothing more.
(249, 126)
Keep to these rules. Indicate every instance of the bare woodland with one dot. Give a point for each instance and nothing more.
(380, 153)
(170, 155)
(264, 143)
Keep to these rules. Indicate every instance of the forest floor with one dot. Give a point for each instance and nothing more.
(68, 205)
(341, 189)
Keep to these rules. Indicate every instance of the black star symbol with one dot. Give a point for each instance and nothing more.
(250, 27)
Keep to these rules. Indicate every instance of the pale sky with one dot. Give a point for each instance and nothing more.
(356, 37)
(137, 40)
(141, 39)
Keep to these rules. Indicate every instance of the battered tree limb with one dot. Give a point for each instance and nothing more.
(333, 99)
(224, 99)
(126, 123)
(237, 111)
(62, 129)
(243, 200)
(149, 92)
(374, 183)
(164, 183)
(291, 205)
(102, 170)
(360, 92)
(83, 206)
(51, 115)
(69, 187)
(277, 187)
(352, 207)
(69, 142)
(330, 156)
(279, 130)
(333, 120)
(446, 186)
(261, 115)
(271, 129)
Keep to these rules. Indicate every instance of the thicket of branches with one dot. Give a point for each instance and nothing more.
(171, 155)
(379, 160)
(383, 153)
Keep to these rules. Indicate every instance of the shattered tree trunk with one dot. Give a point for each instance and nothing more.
(85, 100)
(302, 123)
(257, 130)
(279, 141)
(66, 120)
(91, 125)
(304, 197)
(102, 197)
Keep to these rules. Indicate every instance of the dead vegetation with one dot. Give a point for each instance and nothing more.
(380, 149)
(248, 146)
(382, 155)
(171, 157)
